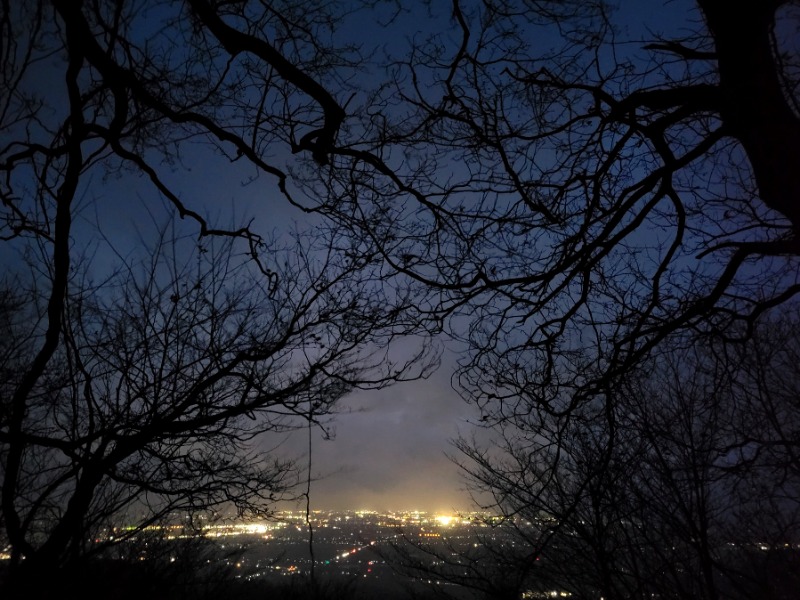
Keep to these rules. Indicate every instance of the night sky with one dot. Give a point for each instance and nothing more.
(390, 451)
(390, 446)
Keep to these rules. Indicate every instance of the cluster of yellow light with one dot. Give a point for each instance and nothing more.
(258, 528)
(553, 594)
(445, 520)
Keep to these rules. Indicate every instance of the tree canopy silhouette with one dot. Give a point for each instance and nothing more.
(606, 220)
(140, 378)
(584, 200)
(568, 199)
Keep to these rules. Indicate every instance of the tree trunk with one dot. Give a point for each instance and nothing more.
(755, 107)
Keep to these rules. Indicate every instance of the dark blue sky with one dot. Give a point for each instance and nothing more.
(390, 452)
(390, 445)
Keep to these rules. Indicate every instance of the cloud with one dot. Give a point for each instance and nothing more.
(389, 450)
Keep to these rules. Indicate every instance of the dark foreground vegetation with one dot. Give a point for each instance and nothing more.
(126, 581)
(767, 576)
